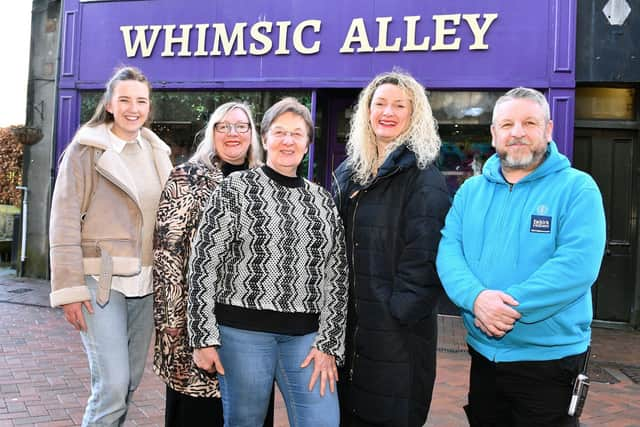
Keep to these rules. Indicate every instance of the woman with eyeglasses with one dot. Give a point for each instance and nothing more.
(268, 283)
(230, 144)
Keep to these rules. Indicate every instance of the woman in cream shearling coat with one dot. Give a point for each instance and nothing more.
(101, 236)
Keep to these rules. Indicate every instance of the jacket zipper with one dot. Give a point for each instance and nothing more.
(355, 332)
(501, 215)
(353, 256)
(114, 181)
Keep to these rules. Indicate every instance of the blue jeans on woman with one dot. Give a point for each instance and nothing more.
(252, 360)
(116, 342)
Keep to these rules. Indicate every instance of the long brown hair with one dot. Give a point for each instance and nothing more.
(101, 115)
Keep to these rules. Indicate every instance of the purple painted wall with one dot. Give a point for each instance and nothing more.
(524, 43)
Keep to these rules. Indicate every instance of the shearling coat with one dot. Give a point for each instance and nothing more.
(106, 239)
(392, 228)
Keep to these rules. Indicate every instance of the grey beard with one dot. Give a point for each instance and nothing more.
(527, 162)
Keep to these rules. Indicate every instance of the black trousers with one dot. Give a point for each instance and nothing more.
(183, 410)
(521, 394)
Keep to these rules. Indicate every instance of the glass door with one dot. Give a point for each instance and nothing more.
(339, 111)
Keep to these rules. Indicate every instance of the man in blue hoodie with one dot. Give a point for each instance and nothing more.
(521, 247)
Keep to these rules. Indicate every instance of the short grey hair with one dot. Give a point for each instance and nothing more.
(524, 93)
(287, 105)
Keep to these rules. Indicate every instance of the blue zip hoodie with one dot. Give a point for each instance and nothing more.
(540, 241)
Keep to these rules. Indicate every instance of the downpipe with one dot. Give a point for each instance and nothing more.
(23, 234)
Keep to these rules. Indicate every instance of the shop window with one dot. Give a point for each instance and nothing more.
(179, 135)
(180, 117)
(601, 103)
(464, 120)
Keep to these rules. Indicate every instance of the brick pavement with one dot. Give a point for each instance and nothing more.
(44, 379)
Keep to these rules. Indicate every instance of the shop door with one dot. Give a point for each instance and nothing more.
(608, 155)
(339, 112)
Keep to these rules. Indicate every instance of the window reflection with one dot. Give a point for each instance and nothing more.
(179, 117)
(598, 103)
(464, 120)
(464, 150)
(466, 107)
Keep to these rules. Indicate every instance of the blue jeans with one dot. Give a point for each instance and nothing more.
(116, 342)
(252, 360)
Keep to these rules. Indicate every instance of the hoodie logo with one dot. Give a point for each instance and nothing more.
(540, 224)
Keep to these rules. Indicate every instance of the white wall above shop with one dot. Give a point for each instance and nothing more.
(15, 32)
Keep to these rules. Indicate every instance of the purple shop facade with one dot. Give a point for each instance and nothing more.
(265, 44)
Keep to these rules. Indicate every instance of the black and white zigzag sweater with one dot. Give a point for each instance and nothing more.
(263, 245)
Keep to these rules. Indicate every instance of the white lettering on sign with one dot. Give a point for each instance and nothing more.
(202, 38)
(383, 42)
(236, 38)
(444, 37)
(357, 33)
(283, 27)
(140, 43)
(410, 43)
(298, 45)
(478, 31)
(261, 38)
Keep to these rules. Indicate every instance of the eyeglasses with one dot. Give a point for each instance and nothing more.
(224, 127)
(281, 133)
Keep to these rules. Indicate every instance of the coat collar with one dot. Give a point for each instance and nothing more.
(98, 136)
(344, 186)
(118, 143)
(400, 158)
(110, 163)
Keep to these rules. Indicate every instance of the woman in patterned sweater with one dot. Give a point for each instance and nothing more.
(268, 283)
(230, 144)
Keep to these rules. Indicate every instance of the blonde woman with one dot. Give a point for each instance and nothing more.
(393, 201)
(101, 233)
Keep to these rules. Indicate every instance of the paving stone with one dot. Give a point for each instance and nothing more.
(35, 410)
(53, 424)
(13, 415)
(43, 368)
(30, 420)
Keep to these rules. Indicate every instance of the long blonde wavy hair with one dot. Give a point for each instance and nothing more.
(421, 135)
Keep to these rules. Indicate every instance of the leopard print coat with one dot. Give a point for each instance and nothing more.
(181, 204)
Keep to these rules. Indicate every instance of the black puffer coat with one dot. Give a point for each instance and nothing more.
(392, 229)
